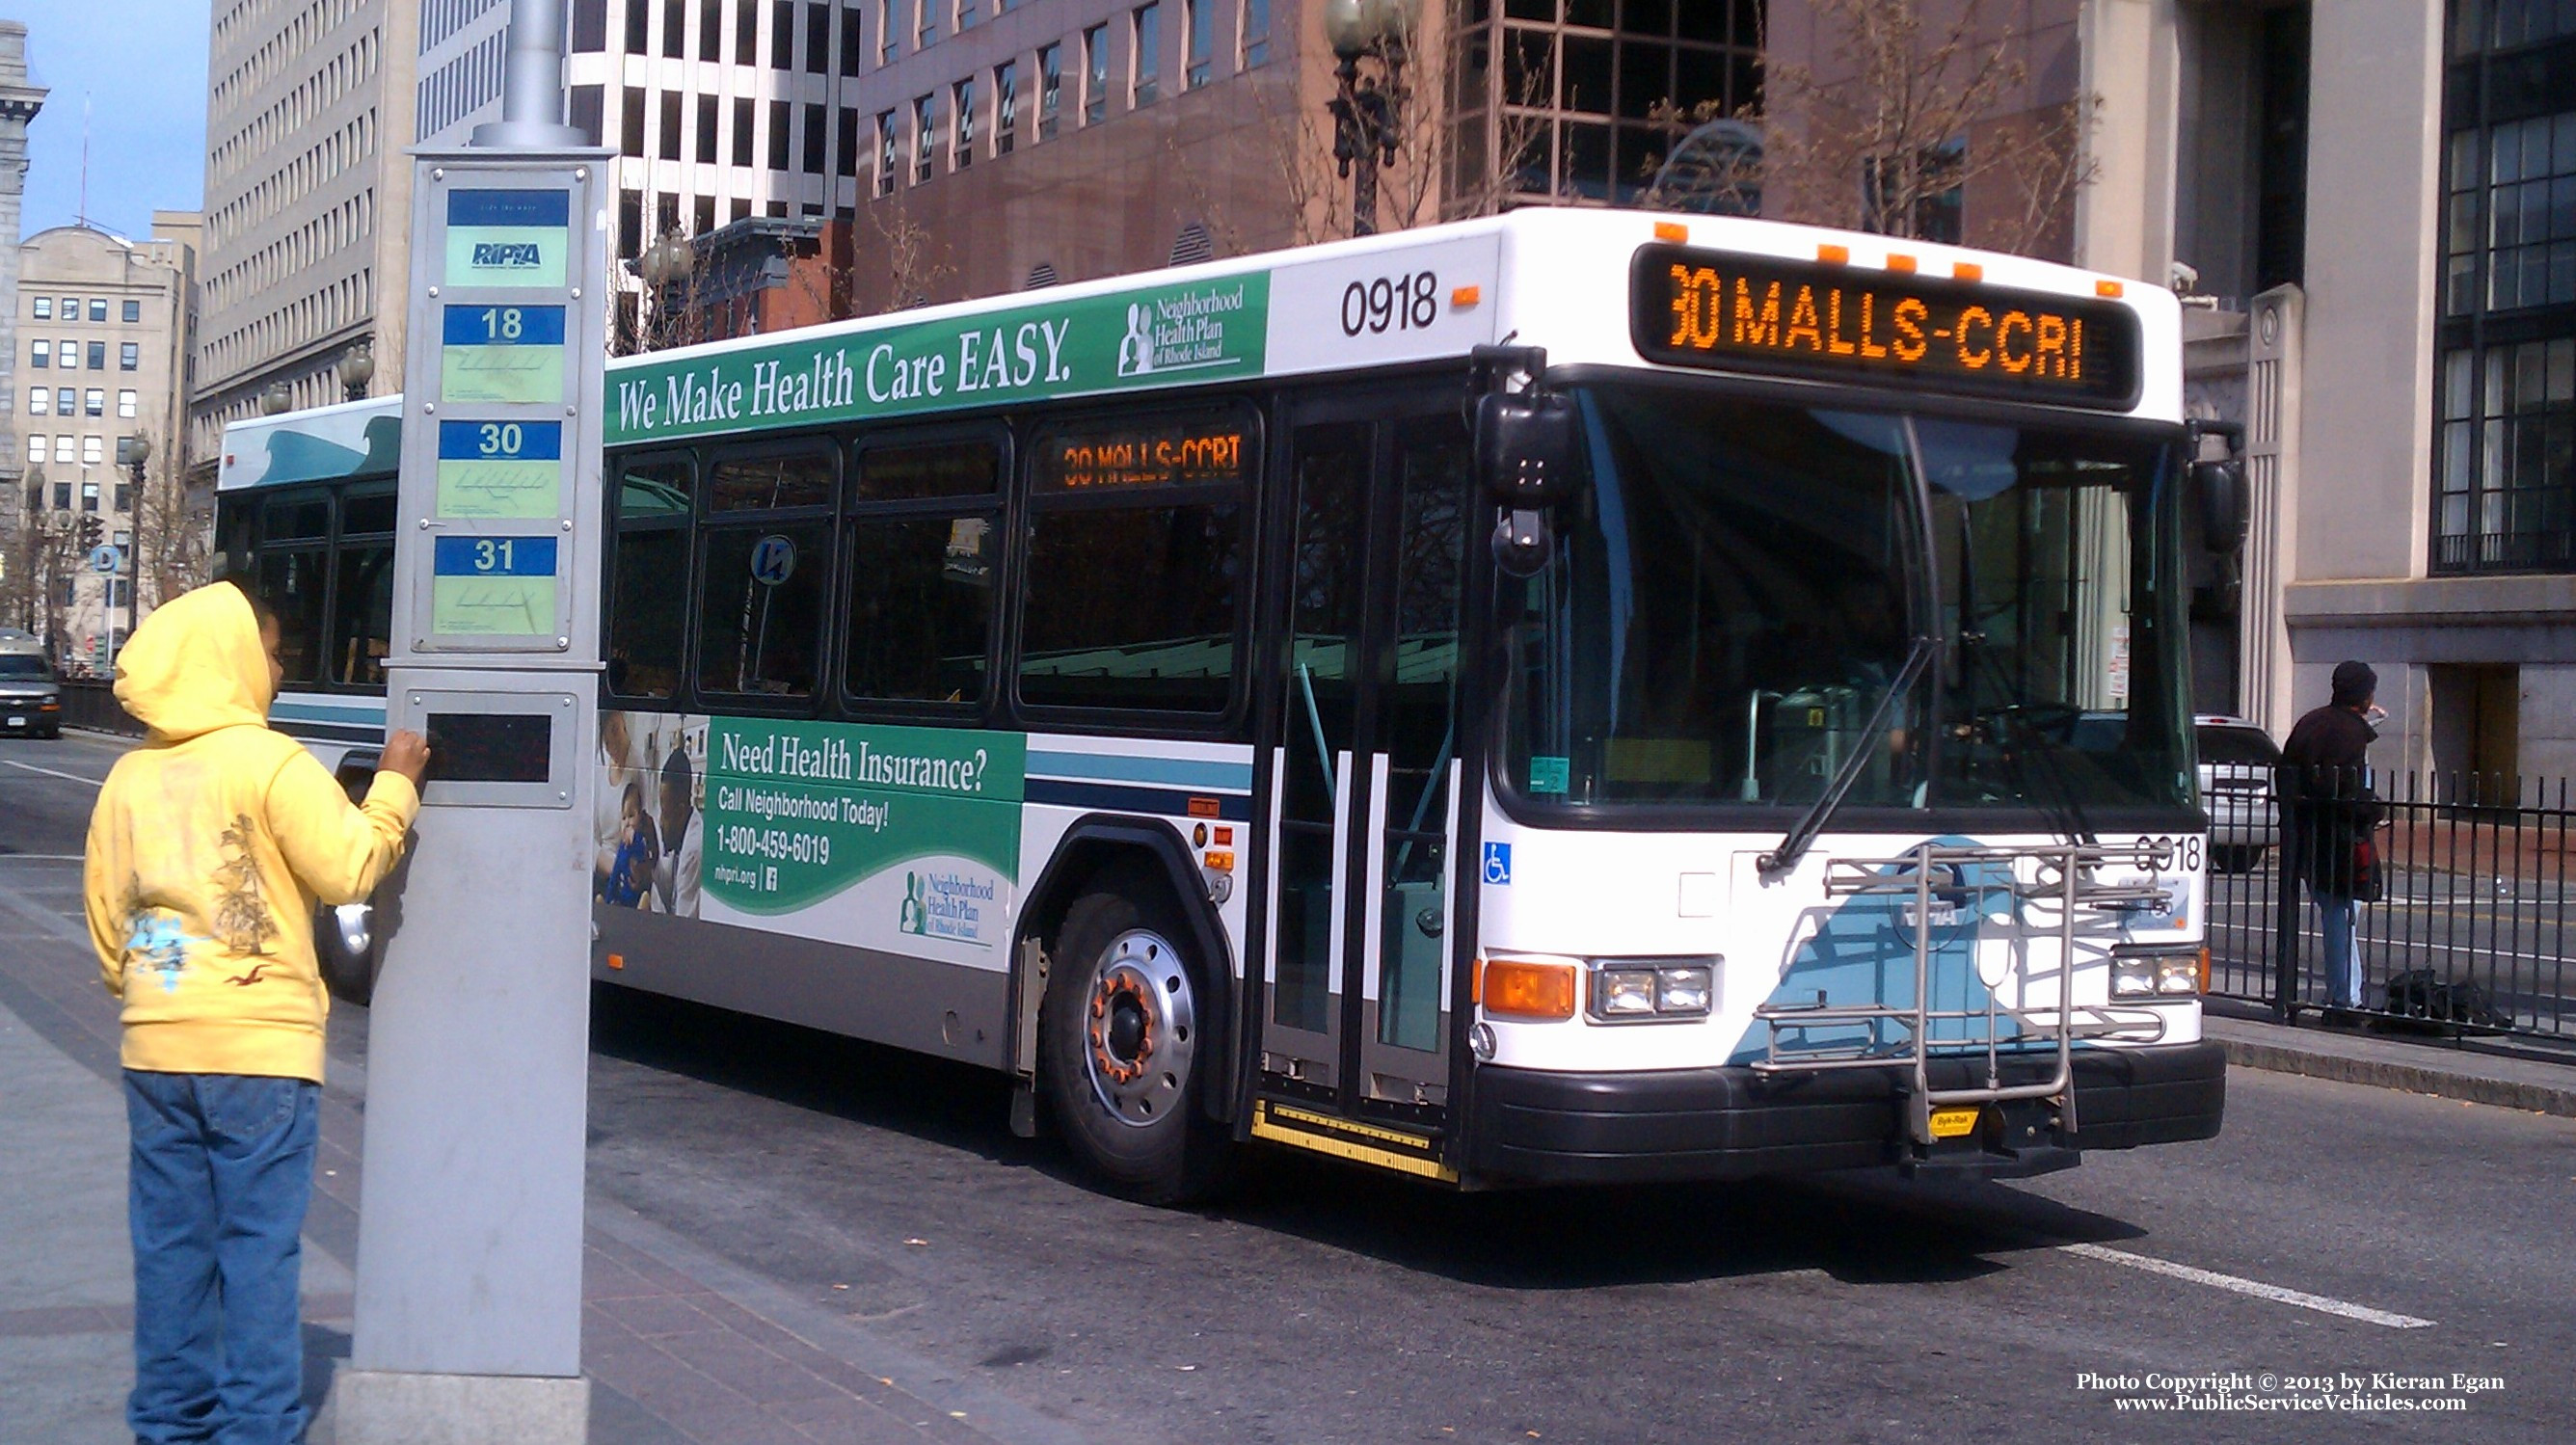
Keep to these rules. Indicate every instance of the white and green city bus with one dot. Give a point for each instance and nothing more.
(1573, 696)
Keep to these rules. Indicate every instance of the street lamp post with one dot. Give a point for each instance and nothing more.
(666, 266)
(357, 368)
(138, 455)
(1367, 110)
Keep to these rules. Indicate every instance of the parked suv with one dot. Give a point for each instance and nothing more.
(31, 701)
(2236, 763)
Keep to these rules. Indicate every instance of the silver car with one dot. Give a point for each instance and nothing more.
(2237, 759)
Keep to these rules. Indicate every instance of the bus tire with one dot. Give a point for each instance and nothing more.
(349, 948)
(1122, 1037)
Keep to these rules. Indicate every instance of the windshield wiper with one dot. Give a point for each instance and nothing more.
(1793, 845)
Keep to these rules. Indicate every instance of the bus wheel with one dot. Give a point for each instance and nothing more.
(346, 945)
(1121, 1025)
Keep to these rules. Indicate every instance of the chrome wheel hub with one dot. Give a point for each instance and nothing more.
(1140, 1027)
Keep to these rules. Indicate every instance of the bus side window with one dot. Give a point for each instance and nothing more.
(293, 576)
(765, 572)
(648, 587)
(363, 598)
(924, 538)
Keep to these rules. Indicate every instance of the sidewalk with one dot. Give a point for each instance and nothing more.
(2416, 1065)
(681, 1347)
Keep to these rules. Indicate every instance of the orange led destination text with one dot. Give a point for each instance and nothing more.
(1148, 460)
(1865, 324)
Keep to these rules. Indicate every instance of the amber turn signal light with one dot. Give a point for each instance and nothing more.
(1521, 989)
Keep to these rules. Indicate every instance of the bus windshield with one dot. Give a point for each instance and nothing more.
(1741, 584)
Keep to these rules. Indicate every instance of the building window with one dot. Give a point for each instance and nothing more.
(743, 127)
(1195, 43)
(630, 123)
(124, 496)
(675, 25)
(66, 449)
(889, 159)
(125, 403)
(782, 35)
(133, 311)
(671, 125)
(1095, 74)
(98, 354)
(62, 493)
(129, 356)
(93, 451)
(44, 308)
(2505, 463)
(638, 22)
(71, 308)
(853, 54)
(928, 30)
(848, 126)
(40, 354)
(889, 30)
(963, 92)
(40, 400)
(98, 308)
(66, 402)
(1006, 106)
(817, 119)
(818, 38)
(710, 29)
(965, 15)
(94, 402)
(1145, 56)
(1253, 35)
(67, 355)
(89, 490)
(35, 449)
(707, 129)
(1050, 90)
(781, 144)
(925, 136)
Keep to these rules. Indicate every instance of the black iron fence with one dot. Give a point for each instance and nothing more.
(91, 703)
(2456, 886)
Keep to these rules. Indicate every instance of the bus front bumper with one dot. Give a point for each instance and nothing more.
(1542, 1127)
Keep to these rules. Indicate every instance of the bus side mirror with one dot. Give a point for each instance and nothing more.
(1528, 454)
(2226, 508)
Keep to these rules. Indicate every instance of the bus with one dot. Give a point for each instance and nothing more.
(1566, 697)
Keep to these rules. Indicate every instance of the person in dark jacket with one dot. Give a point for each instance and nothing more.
(2326, 809)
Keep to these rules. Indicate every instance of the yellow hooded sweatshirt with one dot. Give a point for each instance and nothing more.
(210, 847)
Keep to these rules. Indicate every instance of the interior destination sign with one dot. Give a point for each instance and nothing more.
(493, 586)
(1712, 309)
(508, 469)
(501, 353)
(508, 238)
(1165, 456)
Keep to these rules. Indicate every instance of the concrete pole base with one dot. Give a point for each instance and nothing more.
(389, 1407)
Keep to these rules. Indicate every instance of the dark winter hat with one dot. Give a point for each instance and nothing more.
(2354, 684)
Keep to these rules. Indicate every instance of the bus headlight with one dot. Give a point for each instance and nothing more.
(2160, 974)
(1632, 990)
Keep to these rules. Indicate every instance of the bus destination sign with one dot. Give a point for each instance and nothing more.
(1123, 458)
(1717, 310)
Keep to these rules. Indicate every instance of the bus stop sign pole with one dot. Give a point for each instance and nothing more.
(470, 1225)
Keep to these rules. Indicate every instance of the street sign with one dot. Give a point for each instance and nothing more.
(106, 560)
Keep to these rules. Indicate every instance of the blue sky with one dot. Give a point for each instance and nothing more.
(142, 66)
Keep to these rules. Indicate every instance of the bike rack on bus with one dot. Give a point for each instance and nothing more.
(2069, 876)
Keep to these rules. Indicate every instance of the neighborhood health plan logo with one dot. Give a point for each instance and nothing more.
(948, 905)
(1178, 333)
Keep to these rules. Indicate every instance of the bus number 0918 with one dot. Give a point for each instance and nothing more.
(1391, 303)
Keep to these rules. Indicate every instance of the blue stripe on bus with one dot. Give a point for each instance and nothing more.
(492, 326)
(509, 208)
(331, 732)
(1234, 807)
(1171, 772)
(355, 715)
(464, 441)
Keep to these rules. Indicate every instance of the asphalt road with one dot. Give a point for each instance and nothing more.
(2332, 1231)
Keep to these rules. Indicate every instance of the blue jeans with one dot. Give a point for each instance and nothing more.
(2343, 955)
(222, 1169)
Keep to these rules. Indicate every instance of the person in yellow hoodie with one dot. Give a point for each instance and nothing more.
(210, 848)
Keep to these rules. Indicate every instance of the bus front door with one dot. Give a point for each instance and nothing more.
(1366, 772)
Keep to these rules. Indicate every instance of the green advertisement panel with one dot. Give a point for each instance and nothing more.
(1152, 336)
(798, 813)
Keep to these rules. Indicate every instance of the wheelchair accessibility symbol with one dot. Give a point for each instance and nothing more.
(1498, 862)
(773, 560)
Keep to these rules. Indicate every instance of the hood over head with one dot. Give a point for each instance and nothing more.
(196, 665)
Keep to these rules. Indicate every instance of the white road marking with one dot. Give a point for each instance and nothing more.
(49, 772)
(2255, 1288)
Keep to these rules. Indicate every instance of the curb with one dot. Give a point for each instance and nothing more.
(2530, 1095)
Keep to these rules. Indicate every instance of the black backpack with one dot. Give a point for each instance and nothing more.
(2420, 994)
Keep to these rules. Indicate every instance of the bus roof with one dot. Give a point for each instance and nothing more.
(1575, 282)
